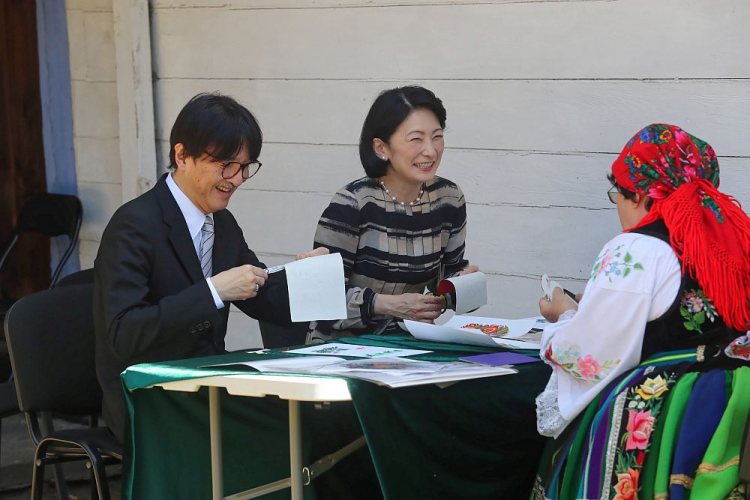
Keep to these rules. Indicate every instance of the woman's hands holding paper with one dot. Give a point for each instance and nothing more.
(312, 253)
(469, 269)
(553, 309)
(413, 306)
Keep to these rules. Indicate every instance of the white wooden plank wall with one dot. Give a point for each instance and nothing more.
(541, 96)
(95, 117)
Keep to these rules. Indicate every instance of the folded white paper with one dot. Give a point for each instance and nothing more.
(316, 288)
(471, 291)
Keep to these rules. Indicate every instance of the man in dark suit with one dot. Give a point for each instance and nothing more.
(171, 261)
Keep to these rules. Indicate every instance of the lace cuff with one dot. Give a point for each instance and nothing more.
(567, 315)
(549, 421)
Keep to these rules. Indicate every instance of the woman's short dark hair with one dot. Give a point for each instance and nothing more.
(388, 111)
(627, 193)
(216, 124)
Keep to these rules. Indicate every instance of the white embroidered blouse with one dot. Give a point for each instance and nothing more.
(635, 279)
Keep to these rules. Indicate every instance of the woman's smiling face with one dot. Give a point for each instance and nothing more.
(415, 148)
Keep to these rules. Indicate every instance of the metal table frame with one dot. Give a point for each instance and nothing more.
(292, 388)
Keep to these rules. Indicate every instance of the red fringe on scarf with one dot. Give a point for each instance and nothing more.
(715, 253)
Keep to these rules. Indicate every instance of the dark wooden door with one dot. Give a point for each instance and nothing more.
(21, 151)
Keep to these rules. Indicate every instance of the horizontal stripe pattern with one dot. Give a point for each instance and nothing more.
(388, 247)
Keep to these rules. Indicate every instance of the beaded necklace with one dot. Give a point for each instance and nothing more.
(402, 203)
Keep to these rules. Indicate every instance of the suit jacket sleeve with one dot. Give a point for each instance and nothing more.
(141, 314)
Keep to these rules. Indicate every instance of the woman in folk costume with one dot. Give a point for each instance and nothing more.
(650, 390)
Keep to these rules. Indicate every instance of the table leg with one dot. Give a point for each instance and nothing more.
(295, 449)
(214, 415)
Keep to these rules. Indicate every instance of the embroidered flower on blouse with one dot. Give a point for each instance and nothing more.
(613, 263)
(588, 367)
(695, 307)
(580, 367)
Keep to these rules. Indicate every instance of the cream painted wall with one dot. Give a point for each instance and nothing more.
(541, 96)
(95, 118)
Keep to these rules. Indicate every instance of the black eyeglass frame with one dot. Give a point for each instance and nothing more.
(244, 167)
(612, 194)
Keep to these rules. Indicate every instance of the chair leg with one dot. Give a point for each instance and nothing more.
(37, 476)
(99, 472)
(57, 470)
(92, 484)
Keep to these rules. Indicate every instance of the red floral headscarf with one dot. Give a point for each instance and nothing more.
(708, 229)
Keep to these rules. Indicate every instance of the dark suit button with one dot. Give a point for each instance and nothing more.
(192, 329)
(200, 327)
(207, 324)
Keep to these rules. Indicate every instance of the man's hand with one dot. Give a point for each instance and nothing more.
(414, 306)
(312, 253)
(553, 309)
(239, 283)
(469, 270)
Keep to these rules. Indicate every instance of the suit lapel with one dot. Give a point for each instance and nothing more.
(179, 235)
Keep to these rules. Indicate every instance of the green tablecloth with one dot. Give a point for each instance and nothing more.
(472, 440)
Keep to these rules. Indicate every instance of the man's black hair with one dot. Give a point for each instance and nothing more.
(215, 124)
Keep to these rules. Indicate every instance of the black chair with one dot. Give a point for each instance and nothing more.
(275, 336)
(50, 336)
(78, 278)
(51, 215)
(8, 402)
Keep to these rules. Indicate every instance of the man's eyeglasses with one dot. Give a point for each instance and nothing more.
(230, 168)
(613, 193)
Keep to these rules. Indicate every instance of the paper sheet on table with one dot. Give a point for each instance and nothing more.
(403, 372)
(474, 330)
(316, 288)
(358, 351)
(471, 291)
(297, 364)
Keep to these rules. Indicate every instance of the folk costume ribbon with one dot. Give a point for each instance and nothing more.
(708, 229)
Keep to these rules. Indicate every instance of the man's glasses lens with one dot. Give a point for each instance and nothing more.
(613, 193)
(231, 168)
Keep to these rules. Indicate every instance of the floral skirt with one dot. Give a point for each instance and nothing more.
(669, 428)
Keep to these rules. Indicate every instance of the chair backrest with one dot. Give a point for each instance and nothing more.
(77, 278)
(52, 215)
(50, 337)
